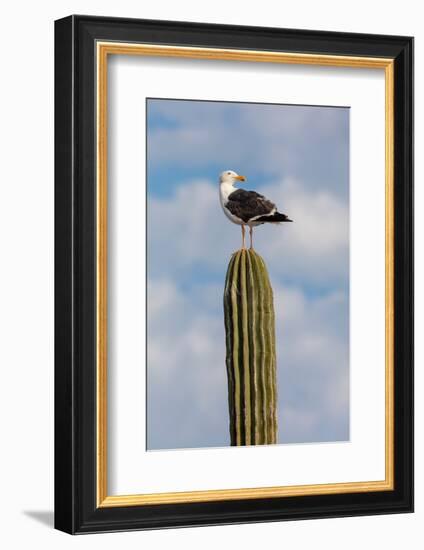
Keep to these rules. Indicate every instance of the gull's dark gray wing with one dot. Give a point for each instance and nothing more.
(248, 204)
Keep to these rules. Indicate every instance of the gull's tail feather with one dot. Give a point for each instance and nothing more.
(277, 217)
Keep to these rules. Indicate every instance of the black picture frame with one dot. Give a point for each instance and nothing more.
(76, 510)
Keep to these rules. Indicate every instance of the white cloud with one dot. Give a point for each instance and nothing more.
(312, 335)
(187, 395)
(313, 249)
(187, 401)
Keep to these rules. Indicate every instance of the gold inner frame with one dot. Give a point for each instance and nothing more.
(104, 49)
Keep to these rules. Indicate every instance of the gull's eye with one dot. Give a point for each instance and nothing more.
(229, 173)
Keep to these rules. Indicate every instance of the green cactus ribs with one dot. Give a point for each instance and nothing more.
(250, 350)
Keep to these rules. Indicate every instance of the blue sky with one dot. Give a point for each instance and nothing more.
(298, 156)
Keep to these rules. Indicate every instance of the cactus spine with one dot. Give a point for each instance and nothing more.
(250, 344)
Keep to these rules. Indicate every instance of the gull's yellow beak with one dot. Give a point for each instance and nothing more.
(240, 178)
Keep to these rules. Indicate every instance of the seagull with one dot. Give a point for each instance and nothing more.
(246, 207)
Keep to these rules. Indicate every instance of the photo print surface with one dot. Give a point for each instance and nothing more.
(247, 274)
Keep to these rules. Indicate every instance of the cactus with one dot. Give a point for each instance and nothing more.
(250, 345)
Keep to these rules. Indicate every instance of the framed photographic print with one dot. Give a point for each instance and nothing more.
(234, 274)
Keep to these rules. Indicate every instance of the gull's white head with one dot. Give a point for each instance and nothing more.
(230, 177)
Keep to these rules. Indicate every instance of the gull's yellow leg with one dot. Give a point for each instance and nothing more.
(242, 237)
(251, 237)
